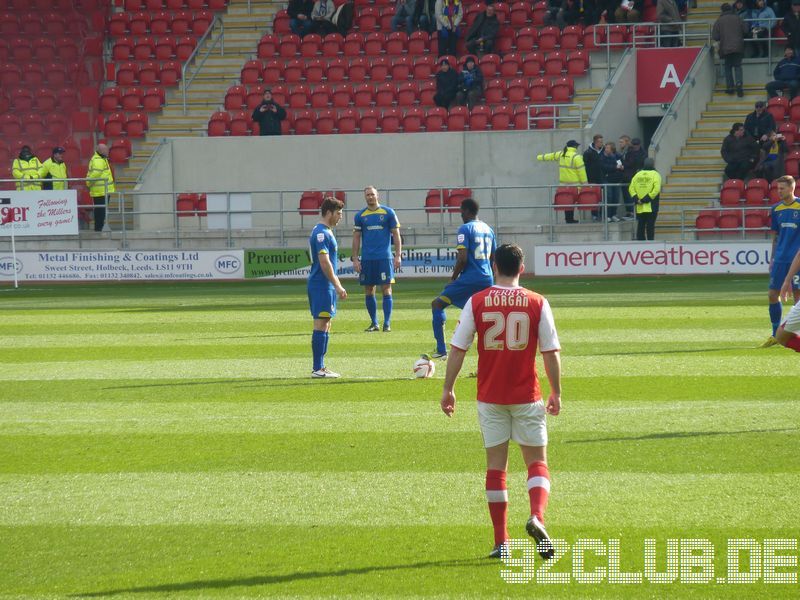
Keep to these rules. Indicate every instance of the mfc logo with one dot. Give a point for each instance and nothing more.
(8, 265)
(227, 264)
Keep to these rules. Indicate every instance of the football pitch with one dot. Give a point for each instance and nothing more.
(165, 440)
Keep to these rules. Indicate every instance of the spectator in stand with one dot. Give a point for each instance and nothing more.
(470, 84)
(100, 181)
(300, 16)
(791, 26)
(404, 14)
(482, 33)
(645, 189)
(629, 11)
(425, 15)
(449, 14)
(761, 27)
(571, 170)
(594, 171)
(668, 15)
(446, 84)
(322, 17)
(566, 12)
(729, 30)
(786, 74)
(632, 163)
(760, 123)
(269, 115)
(54, 168)
(26, 166)
(740, 153)
(773, 151)
(611, 164)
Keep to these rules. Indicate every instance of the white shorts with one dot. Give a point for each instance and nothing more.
(523, 423)
(792, 323)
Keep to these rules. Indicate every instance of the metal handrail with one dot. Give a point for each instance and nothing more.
(220, 39)
(161, 143)
(557, 117)
(741, 229)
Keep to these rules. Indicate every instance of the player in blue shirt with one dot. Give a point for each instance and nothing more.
(475, 244)
(323, 284)
(785, 245)
(374, 229)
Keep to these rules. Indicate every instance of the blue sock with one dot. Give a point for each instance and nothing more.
(372, 308)
(325, 345)
(387, 309)
(318, 348)
(439, 320)
(775, 312)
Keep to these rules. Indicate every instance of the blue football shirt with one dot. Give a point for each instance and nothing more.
(477, 238)
(786, 224)
(376, 231)
(321, 241)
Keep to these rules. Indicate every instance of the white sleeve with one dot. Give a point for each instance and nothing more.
(548, 337)
(465, 330)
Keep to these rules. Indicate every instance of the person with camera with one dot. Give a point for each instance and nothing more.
(269, 115)
(773, 150)
(470, 84)
(645, 189)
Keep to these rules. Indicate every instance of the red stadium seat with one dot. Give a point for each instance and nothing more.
(427, 90)
(182, 22)
(127, 73)
(326, 122)
(571, 37)
(272, 72)
(424, 67)
(290, 45)
(413, 120)
(268, 46)
(384, 94)
(436, 119)
(184, 47)
(379, 69)
(527, 38)
(304, 122)
(201, 22)
(149, 73)
(555, 63)
(357, 72)
(363, 95)
(122, 49)
(501, 117)
(517, 91)
(370, 119)
(353, 43)
(347, 121)
(561, 89)
(577, 63)
(418, 42)
(137, 125)
(321, 96)
(218, 124)
(294, 71)
(373, 44)
(315, 70)
(120, 151)
(510, 65)
(240, 123)
(520, 14)
(396, 43)
(144, 48)
(336, 70)
(778, 107)
(549, 38)
(479, 118)
(252, 70)
(392, 120)
(457, 118)
(401, 68)
(495, 91)
(406, 93)
(153, 99)
(342, 97)
(131, 98)
(332, 45)
(299, 96)
(165, 48)
(435, 202)
(114, 125)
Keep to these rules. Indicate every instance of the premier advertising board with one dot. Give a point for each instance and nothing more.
(123, 265)
(653, 258)
(39, 213)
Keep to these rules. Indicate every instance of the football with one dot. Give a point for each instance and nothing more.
(424, 368)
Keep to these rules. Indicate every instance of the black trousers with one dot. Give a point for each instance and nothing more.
(99, 212)
(645, 226)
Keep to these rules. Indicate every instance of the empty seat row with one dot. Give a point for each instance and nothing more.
(33, 74)
(51, 23)
(59, 5)
(782, 108)
(191, 205)
(311, 200)
(148, 73)
(445, 200)
(756, 192)
(43, 100)
(149, 99)
(387, 120)
(34, 125)
(160, 48)
(40, 49)
(134, 5)
(401, 68)
(142, 23)
(119, 123)
(573, 198)
(731, 223)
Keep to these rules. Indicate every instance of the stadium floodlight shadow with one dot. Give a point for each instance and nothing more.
(262, 580)
(677, 435)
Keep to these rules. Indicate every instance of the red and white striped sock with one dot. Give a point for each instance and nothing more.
(794, 343)
(497, 498)
(538, 488)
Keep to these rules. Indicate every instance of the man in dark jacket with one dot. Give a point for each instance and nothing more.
(425, 15)
(300, 16)
(740, 152)
(480, 37)
(591, 160)
(791, 26)
(786, 74)
(632, 162)
(759, 123)
(470, 84)
(269, 115)
(446, 84)
(729, 30)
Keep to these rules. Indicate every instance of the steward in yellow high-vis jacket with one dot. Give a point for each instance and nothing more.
(100, 169)
(571, 170)
(645, 190)
(25, 167)
(54, 169)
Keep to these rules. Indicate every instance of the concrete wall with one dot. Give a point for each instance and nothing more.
(615, 112)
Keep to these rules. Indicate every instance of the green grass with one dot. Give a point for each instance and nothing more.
(164, 440)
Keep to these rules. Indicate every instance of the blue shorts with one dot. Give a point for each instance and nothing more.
(376, 272)
(322, 302)
(778, 273)
(458, 292)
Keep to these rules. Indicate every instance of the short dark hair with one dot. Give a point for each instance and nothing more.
(470, 205)
(597, 136)
(508, 258)
(330, 204)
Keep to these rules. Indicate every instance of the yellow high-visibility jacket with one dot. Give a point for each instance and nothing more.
(56, 171)
(645, 183)
(99, 169)
(26, 169)
(571, 170)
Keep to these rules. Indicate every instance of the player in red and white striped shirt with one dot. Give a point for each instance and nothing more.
(511, 322)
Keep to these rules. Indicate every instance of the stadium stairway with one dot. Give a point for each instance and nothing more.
(242, 30)
(695, 179)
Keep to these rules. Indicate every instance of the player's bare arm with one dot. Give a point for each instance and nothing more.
(356, 248)
(327, 268)
(461, 263)
(786, 289)
(552, 366)
(398, 247)
(455, 361)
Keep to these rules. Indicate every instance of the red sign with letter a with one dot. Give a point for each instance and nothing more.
(660, 72)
